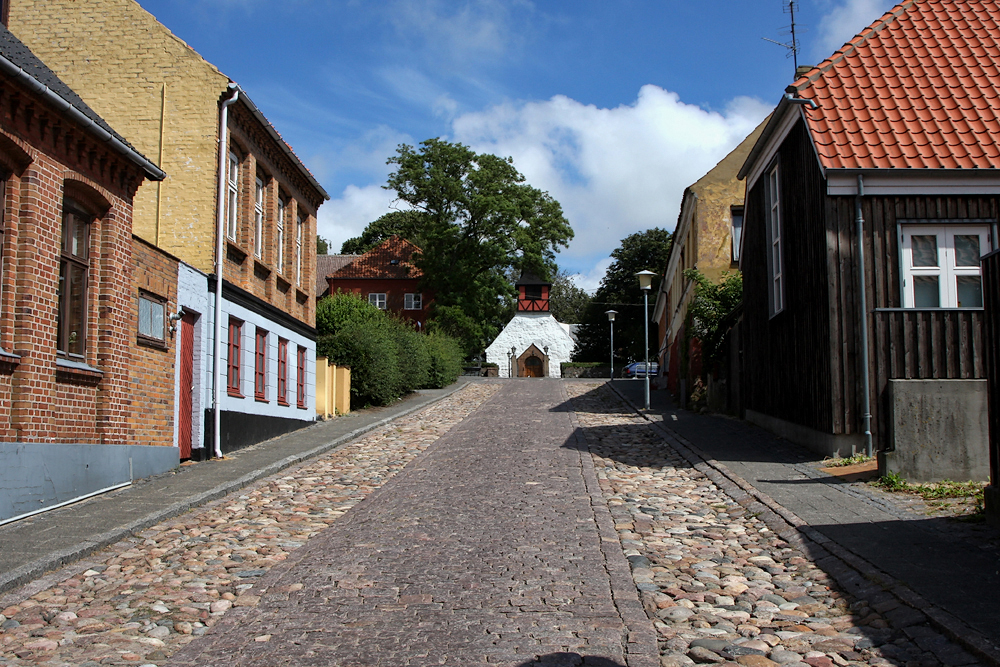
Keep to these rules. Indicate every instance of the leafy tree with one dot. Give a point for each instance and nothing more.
(712, 302)
(475, 219)
(322, 245)
(406, 224)
(619, 290)
(567, 302)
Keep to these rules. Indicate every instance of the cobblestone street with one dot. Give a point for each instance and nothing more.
(535, 523)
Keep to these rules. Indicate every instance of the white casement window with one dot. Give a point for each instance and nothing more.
(941, 265)
(232, 196)
(377, 299)
(412, 301)
(775, 255)
(258, 217)
(280, 256)
(298, 249)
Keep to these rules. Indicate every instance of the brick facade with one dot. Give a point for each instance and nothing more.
(153, 362)
(45, 395)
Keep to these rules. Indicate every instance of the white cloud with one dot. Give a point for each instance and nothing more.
(615, 171)
(844, 21)
(591, 280)
(348, 215)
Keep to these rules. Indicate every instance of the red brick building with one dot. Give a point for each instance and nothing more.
(386, 276)
(67, 322)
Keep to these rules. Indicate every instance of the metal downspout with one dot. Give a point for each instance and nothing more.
(863, 306)
(220, 234)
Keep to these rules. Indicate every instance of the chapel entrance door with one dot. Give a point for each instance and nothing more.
(533, 367)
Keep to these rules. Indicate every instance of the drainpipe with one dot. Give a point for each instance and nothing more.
(220, 234)
(866, 397)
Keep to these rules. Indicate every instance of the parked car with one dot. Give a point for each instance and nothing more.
(638, 370)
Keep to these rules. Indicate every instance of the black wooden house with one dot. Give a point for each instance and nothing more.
(896, 134)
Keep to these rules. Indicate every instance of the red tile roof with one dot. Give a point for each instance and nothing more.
(916, 89)
(390, 259)
(327, 264)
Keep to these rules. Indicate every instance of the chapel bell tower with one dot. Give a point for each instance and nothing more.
(532, 294)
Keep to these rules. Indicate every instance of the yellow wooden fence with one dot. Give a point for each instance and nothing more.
(333, 389)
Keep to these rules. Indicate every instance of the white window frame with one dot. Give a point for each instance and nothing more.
(299, 222)
(775, 249)
(152, 317)
(377, 299)
(946, 271)
(280, 225)
(736, 231)
(258, 215)
(413, 301)
(232, 196)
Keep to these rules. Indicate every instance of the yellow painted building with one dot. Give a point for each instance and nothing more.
(707, 239)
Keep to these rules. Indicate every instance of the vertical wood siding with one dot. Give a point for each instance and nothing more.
(991, 336)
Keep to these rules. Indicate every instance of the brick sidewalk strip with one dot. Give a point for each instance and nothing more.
(487, 550)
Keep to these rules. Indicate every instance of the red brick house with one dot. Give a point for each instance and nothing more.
(386, 276)
(67, 322)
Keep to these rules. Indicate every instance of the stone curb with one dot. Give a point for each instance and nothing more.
(26, 573)
(641, 647)
(859, 577)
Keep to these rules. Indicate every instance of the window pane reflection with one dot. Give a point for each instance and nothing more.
(926, 292)
(925, 250)
(967, 250)
(970, 291)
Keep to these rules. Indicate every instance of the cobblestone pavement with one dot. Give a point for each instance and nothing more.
(721, 586)
(487, 551)
(143, 598)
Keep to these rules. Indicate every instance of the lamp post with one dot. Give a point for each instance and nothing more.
(645, 283)
(513, 360)
(611, 320)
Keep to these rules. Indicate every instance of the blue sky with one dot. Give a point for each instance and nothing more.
(612, 106)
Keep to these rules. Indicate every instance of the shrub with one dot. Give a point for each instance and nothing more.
(341, 310)
(446, 360)
(414, 357)
(370, 349)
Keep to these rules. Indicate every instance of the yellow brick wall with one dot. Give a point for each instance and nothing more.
(139, 74)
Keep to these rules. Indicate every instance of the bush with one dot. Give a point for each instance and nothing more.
(371, 351)
(386, 356)
(446, 360)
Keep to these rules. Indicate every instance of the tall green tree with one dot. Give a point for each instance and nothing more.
(567, 302)
(475, 220)
(406, 224)
(619, 290)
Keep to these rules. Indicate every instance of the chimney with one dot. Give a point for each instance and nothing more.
(802, 70)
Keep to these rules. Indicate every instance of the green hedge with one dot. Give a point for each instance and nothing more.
(387, 357)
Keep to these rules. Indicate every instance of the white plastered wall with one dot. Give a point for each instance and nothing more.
(525, 329)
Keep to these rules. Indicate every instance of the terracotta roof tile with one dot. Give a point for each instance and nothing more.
(389, 259)
(919, 88)
(327, 264)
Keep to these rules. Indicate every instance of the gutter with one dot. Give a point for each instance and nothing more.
(220, 234)
(866, 406)
(153, 172)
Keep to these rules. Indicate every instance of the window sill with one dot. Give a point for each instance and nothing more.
(301, 296)
(8, 362)
(234, 253)
(154, 343)
(234, 394)
(260, 270)
(283, 403)
(927, 310)
(77, 372)
(261, 399)
(282, 284)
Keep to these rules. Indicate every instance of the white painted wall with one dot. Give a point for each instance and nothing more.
(194, 297)
(526, 329)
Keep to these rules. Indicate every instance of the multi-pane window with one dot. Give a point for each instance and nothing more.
(232, 196)
(282, 371)
(300, 378)
(775, 257)
(260, 366)
(152, 320)
(377, 299)
(298, 250)
(258, 218)
(74, 264)
(941, 265)
(412, 301)
(235, 356)
(280, 258)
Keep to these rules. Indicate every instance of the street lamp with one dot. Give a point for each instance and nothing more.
(645, 283)
(611, 319)
(513, 360)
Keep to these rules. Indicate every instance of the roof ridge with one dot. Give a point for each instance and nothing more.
(852, 45)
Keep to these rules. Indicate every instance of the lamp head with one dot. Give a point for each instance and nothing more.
(645, 279)
(611, 315)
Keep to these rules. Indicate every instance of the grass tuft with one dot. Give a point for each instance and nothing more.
(838, 462)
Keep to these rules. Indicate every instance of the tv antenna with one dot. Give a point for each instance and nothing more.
(789, 7)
